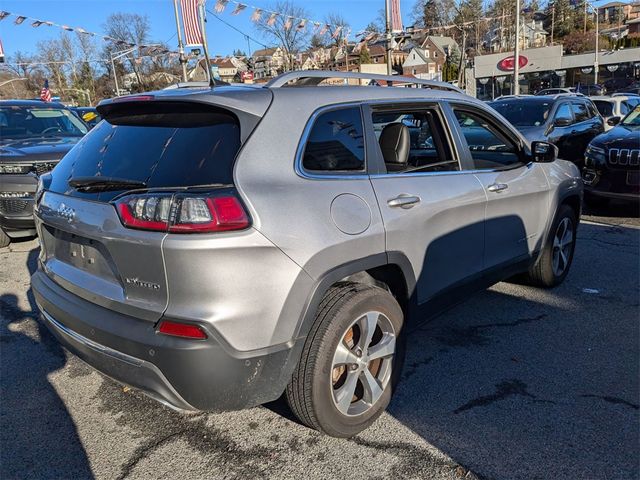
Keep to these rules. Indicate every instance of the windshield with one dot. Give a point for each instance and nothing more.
(523, 114)
(37, 121)
(633, 119)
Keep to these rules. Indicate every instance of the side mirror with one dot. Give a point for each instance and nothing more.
(544, 152)
(613, 121)
(562, 122)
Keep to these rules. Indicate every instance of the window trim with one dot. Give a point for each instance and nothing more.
(521, 150)
(415, 104)
(302, 144)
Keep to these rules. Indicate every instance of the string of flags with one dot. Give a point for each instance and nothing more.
(150, 50)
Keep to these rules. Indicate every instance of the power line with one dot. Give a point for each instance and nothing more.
(237, 30)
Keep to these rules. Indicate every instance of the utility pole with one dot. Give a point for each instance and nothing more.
(183, 60)
(584, 28)
(516, 63)
(387, 14)
(205, 48)
(595, 61)
(553, 20)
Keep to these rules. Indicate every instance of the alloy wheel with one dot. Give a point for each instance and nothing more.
(362, 362)
(562, 246)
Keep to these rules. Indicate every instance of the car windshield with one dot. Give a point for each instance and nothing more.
(633, 119)
(39, 121)
(523, 114)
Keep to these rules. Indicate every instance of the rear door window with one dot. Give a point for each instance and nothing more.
(181, 145)
(605, 108)
(336, 142)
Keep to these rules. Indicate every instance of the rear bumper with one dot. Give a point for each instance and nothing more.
(184, 374)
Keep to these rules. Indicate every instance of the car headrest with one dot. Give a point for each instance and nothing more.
(395, 143)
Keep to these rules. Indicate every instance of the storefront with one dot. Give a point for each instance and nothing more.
(492, 75)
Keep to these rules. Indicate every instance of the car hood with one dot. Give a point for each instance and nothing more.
(35, 149)
(533, 133)
(618, 137)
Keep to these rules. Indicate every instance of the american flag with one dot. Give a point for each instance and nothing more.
(396, 17)
(1, 53)
(191, 19)
(45, 93)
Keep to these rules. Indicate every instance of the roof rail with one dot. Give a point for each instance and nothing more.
(314, 77)
(218, 83)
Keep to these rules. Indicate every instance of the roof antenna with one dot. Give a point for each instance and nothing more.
(212, 82)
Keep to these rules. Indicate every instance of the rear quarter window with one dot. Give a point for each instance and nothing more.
(335, 142)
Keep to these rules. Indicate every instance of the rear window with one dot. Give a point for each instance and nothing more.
(605, 108)
(160, 145)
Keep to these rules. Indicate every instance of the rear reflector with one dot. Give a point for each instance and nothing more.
(219, 211)
(183, 330)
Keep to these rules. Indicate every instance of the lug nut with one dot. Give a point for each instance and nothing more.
(359, 352)
(354, 366)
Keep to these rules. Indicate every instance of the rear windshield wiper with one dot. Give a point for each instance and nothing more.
(104, 183)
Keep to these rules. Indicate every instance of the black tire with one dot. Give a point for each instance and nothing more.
(542, 273)
(5, 240)
(311, 392)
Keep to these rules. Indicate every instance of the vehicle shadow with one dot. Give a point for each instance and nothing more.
(522, 383)
(38, 437)
(614, 209)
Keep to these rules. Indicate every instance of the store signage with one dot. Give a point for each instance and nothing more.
(586, 70)
(612, 68)
(483, 81)
(508, 64)
(247, 76)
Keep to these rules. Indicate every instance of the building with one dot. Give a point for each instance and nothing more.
(633, 28)
(615, 12)
(492, 75)
(438, 48)
(228, 68)
(268, 62)
(419, 64)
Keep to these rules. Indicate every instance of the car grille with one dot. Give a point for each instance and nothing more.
(624, 157)
(13, 206)
(41, 168)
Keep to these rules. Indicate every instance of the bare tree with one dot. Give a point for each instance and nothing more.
(338, 29)
(130, 28)
(284, 30)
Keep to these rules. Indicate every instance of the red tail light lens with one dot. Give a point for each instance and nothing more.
(183, 212)
(183, 330)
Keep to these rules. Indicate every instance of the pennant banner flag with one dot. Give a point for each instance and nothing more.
(301, 25)
(4, 15)
(20, 19)
(239, 8)
(256, 15)
(288, 23)
(272, 19)
(336, 32)
(36, 24)
(220, 5)
(191, 20)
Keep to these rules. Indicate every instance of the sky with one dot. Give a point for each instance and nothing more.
(91, 15)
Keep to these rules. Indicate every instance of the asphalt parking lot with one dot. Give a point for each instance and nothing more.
(516, 383)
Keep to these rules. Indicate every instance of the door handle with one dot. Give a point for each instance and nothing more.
(497, 187)
(404, 201)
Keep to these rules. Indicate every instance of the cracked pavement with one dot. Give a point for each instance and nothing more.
(515, 383)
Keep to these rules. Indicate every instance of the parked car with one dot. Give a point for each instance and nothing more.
(555, 91)
(218, 247)
(614, 85)
(590, 90)
(34, 136)
(612, 162)
(616, 106)
(89, 115)
(568, 121)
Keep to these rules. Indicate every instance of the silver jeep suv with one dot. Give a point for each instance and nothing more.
(220, 247)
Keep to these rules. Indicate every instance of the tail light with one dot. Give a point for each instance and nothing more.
(184, 330)
(183, 212)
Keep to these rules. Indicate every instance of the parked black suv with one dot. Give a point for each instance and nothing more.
(568, 121)
(34, 136)
(612, 162)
